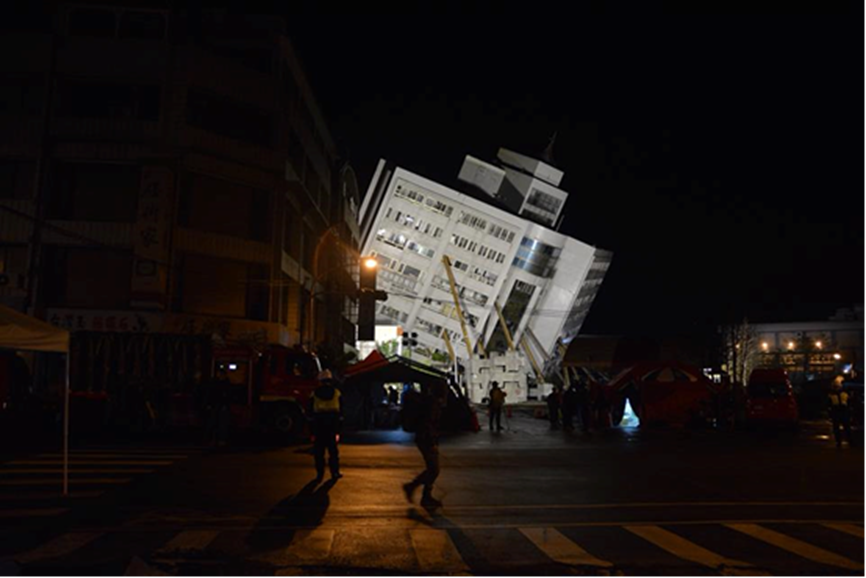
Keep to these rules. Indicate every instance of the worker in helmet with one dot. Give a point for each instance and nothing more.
(327, 416)
(840, 413)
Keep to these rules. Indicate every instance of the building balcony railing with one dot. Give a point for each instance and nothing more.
(233, 149)
(222, 246)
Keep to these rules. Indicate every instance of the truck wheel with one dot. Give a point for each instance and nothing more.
(288, 421)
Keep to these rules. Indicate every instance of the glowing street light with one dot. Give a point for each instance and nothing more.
(818, 344)
(370, 263)
(765, 346)
(790, 345)
(837, 357)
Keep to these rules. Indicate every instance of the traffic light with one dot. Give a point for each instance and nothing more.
(367, 297)
(410, 339)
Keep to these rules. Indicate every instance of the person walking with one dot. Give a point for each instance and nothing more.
(327, 415)
(497, 401)
(428, 413)
(840, 413)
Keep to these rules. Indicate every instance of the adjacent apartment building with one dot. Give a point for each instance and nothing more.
(497, 224)
(169, 171)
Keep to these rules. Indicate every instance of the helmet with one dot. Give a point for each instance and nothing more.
(325, 375)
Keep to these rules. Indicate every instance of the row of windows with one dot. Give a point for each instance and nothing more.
(430, 203)
(491, 254)
(473, 221)
(448, 309)
(389, 264)
(544, 201)
(419, 225)
(462, 292)
(501, 233)
(400, 241)
(397, 281)
(393, 313)
(477, 273)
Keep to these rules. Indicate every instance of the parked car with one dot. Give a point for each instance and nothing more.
(770, 399)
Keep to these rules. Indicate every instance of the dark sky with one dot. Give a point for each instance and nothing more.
(719, 156)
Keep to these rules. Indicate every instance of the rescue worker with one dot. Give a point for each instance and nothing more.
(840, 412)
(497, 400)
(432, 400)
(327, 415)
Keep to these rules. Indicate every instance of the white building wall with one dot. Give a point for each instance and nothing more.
(411, 222)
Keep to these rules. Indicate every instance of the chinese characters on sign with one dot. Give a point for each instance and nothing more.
(150, 240)
(113, 321)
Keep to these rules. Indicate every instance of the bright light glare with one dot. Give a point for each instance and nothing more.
(837, 356)
(765, 345)
(233, 366)
(818, 344)
(370, 263)
(630, 418)
(790, 345)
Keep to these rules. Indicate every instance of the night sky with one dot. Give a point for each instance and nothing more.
(720, 157)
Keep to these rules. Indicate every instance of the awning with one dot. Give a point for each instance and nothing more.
(19, 331)
(395, 369)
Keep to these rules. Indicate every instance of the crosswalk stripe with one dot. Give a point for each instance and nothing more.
(436, 553)
(795, 546)
(561, 549)
(60, 546)
(687, 550)
(79, 462)
(72, 471)
(311, 545)
(847, 528)
(32, 513)
(54, 481)
(189, 540)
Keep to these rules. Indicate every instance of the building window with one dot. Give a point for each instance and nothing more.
(90, 99)
(544, 201)
(142, 25)
(500, 233)
(420, 249)
(473, 221)
(393, 313)
(221, 115)
(439, 207)
(93, 23)
(408, 194)
(22, 96)
(87, 278)
(94, 192)
(16, 179)
(224, 207)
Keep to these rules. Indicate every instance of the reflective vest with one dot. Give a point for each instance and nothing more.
(327, 405)
(837, 399)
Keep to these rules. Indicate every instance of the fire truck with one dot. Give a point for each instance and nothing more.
(270, 388)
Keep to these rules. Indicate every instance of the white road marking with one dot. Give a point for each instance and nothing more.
(189, 540)
(60, 546)
(561, 549)
(847, 528)
(795, 546)
(436, 552)
(311, 545)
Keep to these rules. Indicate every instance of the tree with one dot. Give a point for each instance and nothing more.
(388, 348)
(739, 350)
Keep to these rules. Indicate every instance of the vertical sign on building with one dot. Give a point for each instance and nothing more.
(150, 242)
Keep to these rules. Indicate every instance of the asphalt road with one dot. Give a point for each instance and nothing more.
(526, 501)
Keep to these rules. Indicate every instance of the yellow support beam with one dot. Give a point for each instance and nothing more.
(504, 326)
(448, 346)
(447, 263)
(538, 373)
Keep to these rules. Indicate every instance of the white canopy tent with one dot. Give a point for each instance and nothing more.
(19, 331)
